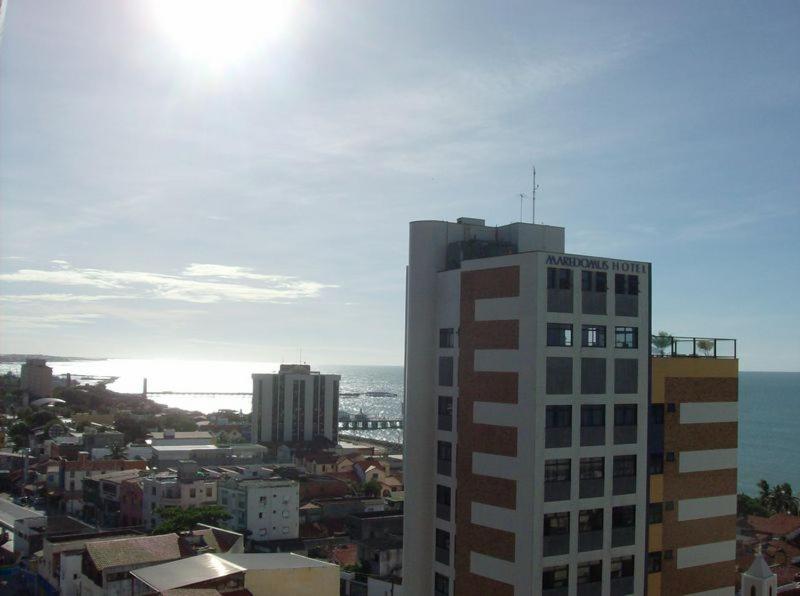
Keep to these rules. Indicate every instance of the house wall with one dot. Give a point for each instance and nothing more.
(308, 581)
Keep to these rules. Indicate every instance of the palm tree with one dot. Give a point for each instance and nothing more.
(661, 342)
(783, 501)
(765, 494)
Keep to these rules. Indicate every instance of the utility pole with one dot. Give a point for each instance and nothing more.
(533, 197)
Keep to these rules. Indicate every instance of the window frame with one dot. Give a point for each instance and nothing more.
(598, 332)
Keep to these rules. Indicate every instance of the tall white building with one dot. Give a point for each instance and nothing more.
(268, 509)
(295, 405)
(525, 447)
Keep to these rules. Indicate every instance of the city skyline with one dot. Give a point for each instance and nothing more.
(163, 202)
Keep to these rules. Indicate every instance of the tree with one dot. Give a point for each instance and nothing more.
(132, 428)
(747, 505)
(175, 519)
(661, 342)
(705, 346)
(117, 451)
(783, 500)
(18, 433)
(41, 418)
(764, 495)
(371, 488)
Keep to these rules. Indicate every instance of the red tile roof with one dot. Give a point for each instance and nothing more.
(779, 524)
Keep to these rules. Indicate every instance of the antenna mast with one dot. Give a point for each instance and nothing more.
(533, 197)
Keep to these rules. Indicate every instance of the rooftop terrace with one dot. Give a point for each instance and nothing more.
(672, 346)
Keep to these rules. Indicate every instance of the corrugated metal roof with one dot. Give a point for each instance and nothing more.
(186, 572)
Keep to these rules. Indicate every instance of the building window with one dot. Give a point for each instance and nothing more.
(655, 463)
(594, 281)
(261, 515)
(626, 375)
(558, 426)
(445, 411)
(626, 284)
(671, 408)
(626, 288)
(626, 337)
(559, 278)
(559, 335)
(441, 585)
(590, 530)
(655, 513)
(192, 493)
(446, 338)
(590, 573)
(593, 376)
(624, 474)
(557, 479)
(623, 525)
(555, 578)
(592, 477)
(625, 424)
(593, 336)
(622, 576)
(556, 533)
(558, 375)
(444, 458)
(670, 456)
(654, 562)
(446, 371)
(442, 546)
(443, 502)
(593, 425)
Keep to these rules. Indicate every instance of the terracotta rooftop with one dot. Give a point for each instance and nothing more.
(779, 524)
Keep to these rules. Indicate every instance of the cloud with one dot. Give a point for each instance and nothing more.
(47, 321)
(59, 297)
(199, 283)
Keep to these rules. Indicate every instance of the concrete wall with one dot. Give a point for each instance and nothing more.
(307, 581)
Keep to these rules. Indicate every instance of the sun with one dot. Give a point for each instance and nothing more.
(222, 33)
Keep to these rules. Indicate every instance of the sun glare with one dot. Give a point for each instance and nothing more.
(219, 34)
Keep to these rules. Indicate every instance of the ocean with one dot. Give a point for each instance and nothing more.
(769, 423)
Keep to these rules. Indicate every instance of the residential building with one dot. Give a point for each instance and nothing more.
(131, 502)
(692, 468)
(165, 456)
(36, 378)
(295, 405)
(527, 412)
(379, 539)
(102, 498)
(73, 473)
(279, 574)
(60, 564)
(184, 487)
(30, 532)
(264, 509)
(106, 565)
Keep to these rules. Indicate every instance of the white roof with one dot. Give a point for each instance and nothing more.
(185, 572)
(166, 448)
(10, 512)
(202, 568)
(254, 561)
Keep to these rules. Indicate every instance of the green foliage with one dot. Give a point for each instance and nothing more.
(178, 421)
(18, 434)
(175, 519)
(117, 451)
(747, 505)
(41, 418)
(777, 499)
(662, 341)
(132, 428)
(705, 345)
(371, 488)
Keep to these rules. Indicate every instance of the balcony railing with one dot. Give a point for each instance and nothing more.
(692, 347)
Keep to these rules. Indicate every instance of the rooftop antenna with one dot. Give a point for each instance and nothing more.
(533, 196)
(522, 197)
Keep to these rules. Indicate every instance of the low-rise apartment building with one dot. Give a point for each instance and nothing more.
(102, 498)
(73, 473)
(267, 509)
(183, 488)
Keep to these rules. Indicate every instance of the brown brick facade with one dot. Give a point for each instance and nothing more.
(488, 387)
(687, 380)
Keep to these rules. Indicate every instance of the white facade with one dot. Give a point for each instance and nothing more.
(434, 302)
(175, 490)
(294, 405)
(268, 509)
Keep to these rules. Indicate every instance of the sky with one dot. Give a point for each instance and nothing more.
(193, 183)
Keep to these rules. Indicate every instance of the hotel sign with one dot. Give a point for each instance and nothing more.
(598, 264)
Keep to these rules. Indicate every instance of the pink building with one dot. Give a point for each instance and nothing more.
(130, 502)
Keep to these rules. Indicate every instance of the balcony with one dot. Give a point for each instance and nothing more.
(443, 511)
(623, 536)
(558, 437)
(445, 422)
(692, 347)
(443, 555)
(556, 544)
(591, 487)
(590, 589)
(590, 540)
(621, 586)
(624, 434)
(444, 467)
(557, 491)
